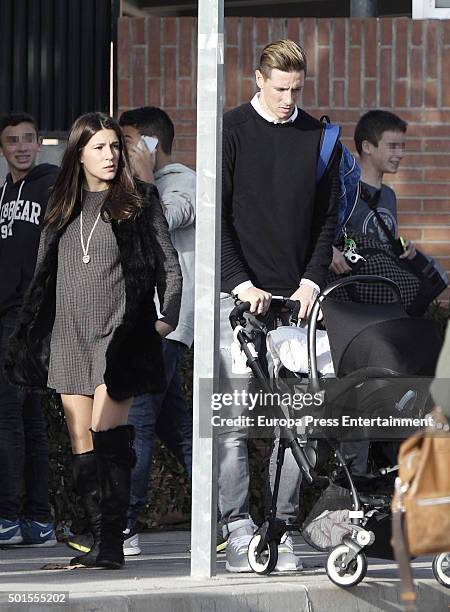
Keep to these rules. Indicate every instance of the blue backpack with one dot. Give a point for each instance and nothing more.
(349, 172)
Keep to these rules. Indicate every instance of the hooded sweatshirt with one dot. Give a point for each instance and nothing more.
(176, 186)
(22, 211)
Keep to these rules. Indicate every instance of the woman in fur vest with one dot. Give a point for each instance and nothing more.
(88, 328)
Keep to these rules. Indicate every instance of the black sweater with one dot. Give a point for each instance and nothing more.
(22, 212)
(277, 224)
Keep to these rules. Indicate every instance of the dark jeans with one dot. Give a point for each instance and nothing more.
(165, 414)
(23, 445)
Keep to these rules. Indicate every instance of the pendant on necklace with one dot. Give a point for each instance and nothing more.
(86, 259)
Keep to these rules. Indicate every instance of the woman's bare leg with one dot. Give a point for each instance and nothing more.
(107, 413)
(78, 412)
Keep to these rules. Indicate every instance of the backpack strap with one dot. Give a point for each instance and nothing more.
(330, 137)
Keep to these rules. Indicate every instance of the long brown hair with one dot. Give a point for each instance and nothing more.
(122, 200)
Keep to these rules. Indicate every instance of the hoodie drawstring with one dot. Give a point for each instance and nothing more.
(10, 224)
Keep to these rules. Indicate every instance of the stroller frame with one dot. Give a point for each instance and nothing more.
(346, 563)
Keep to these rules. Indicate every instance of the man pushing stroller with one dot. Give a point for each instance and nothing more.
(278, 226)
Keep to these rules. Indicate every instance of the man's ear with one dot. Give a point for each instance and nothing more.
(259, 78)
(366, 147)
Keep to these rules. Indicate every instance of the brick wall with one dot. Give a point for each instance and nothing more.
(354, 65)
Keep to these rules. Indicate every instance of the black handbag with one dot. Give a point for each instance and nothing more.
(433, 279)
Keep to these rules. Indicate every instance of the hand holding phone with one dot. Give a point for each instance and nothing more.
(151, 142)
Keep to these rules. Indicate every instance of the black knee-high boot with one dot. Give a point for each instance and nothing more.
(87, 486)
(115, 458)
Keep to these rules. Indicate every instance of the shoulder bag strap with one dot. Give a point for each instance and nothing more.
(372, 203)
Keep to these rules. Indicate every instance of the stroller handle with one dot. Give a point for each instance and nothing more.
(236, 315)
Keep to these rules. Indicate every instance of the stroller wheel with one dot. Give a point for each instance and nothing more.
(347, 576)
(265, 562)
(441, 568)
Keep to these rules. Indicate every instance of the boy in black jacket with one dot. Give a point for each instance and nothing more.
(23, 437)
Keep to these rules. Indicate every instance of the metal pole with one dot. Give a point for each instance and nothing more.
(207, 282)
(363, 8)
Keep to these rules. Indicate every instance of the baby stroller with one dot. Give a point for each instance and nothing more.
(382, 335)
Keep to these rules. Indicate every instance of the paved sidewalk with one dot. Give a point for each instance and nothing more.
(158, 580)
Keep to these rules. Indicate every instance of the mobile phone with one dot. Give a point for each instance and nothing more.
(151, 142)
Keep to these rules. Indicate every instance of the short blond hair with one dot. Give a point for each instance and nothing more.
(284, 55)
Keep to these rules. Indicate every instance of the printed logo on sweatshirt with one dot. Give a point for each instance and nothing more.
(20, 210)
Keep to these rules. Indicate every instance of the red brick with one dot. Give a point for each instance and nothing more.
(185, 50)
(431, 94)
(339, 48)
(434, 248)
(386, 31)
(339, 93)
(185, 90)
(354, 80)
(293, 30)
(430, 131)
(124, 98)
(445, 76)
(437, 233)
(138, 31)
(309, 94)
(370, 93)
(138, 69)
(248, 89)
(154, 92)
(185, 129)
(310, 43)
(246, 46)
(324, 77)
(409, 205)
(423, 189)
(417, 32)
(428, 161)
(424, 219)
(413, 233)
(400, 89)
(323, 29)
(355, 31)
(231, 30)
(123, 50)
(416, 81)
(169, 31)
(446, 31)
(437, 145)
(432, 205)
(404, 174)
(277, 29)
(436, 116)
(386, 77)
(262, 30)
(170, 78)
(401, 49)
(431, 48)
(370, 47)
(437, 174)
(154, 46)
(231, 81)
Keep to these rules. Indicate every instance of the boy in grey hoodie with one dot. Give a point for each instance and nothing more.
(165, 413)
(23, 436)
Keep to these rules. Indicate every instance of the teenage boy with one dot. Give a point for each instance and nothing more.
(380, 142)
(278, 226)
(165, 414)
(23, 436)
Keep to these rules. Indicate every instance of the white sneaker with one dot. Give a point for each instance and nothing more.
(287, 560)
(131, 543)
(237, 549)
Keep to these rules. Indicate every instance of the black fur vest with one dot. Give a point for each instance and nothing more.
(133, 358)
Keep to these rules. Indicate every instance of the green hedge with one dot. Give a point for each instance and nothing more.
(169, 490)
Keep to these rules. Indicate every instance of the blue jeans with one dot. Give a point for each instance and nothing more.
(165, 414)
(23, 445)
(234, 472)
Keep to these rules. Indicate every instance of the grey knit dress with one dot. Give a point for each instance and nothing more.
(90, 303)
